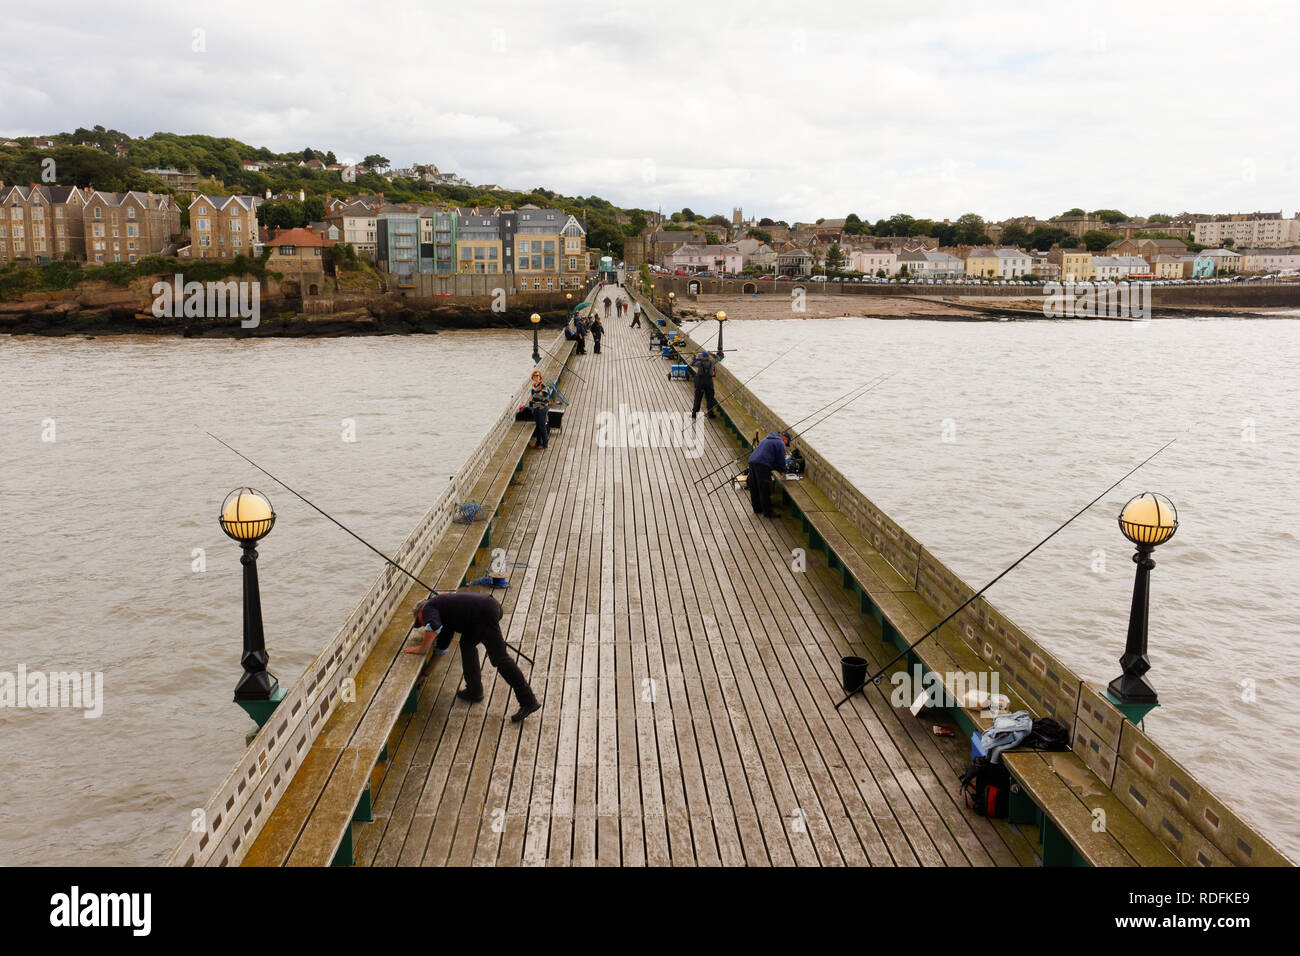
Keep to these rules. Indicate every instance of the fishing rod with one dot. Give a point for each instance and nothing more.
(564, 367)
(431, 590)
(808, 429)
(840, 409)
(761, 371)
(791, 428)
(903, 653)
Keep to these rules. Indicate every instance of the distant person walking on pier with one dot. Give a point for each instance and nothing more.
(636, 316)
(477, 619)
(768, 457)
(597, 330)
(704, 365)
(607, 305)
(540, 403)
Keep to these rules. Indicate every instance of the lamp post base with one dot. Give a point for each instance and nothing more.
(1133, 711)
(261, 710)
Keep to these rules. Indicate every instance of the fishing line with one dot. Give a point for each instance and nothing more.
(903, 653)
(564, 367)
(431, 590)
(870, 384)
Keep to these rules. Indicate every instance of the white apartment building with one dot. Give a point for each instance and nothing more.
(928, 264)
(1253, 232)
(1013, 263)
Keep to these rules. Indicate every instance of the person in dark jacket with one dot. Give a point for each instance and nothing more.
(768, 457)
(539, 402)
(704, 364)
(477, 619)
(597, 330)
(580, 333)
(608, 303)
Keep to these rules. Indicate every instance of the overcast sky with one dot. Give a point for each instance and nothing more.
(794, 111)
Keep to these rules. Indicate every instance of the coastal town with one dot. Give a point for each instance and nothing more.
(411, 245)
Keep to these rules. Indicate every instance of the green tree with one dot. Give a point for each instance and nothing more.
(1044, 237)
(376, 162)
(834, 258)
(970, 230)
(1076, 211)
(853, 224)
(899, 224)
(1095, 240)
(313, 209)
(1014, 235)
(762, 235)
(1110, 215)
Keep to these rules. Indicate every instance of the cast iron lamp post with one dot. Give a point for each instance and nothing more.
(671, 297)
(721, 317)
(1147, 520)
(536, 320)
(247, 517)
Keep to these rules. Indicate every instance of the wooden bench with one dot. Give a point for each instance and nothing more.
(1054, 795)
(312, 823)
(1081, 821)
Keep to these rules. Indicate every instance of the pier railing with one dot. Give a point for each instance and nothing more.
(1195, 824)
(221, 833)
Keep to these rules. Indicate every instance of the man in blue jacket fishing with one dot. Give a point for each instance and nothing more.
(768, 457)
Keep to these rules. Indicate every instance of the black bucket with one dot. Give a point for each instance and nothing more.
(853, 673)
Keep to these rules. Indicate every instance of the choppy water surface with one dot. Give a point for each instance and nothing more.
(991, 434)
(101, 527)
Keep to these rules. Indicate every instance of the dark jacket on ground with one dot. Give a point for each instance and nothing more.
(770, 453)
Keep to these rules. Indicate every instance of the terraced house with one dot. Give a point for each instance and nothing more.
(41, 223)
(124, 227)
(549, 248)
(222, 227)
(359, 224)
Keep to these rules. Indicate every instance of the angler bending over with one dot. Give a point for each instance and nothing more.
(477, 619)
(768, 457)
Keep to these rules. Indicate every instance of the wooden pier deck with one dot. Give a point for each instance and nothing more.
(688, 676)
